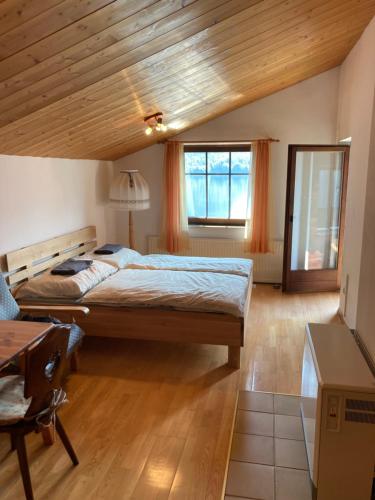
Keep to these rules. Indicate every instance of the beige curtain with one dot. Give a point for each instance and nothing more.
(175, 221)
(257, 238)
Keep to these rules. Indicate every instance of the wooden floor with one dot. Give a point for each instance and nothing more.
(154, 421)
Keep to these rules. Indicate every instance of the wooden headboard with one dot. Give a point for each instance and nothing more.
(25, 263)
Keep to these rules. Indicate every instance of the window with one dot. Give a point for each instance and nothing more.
(217, 184)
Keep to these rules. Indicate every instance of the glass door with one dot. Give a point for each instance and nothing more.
(315, 207)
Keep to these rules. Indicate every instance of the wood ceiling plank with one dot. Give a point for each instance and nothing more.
(89, 71)
(130, 43)
(114, 151)
(107, 39)
(46, 23)
(112, 89)
(221, 53)
(195, 49)
(261, 73)
(124, 131)
(76, 41)
(251, 56)
(205, 73)
(18, 95)
(90, 45)
(112, 133)
(91, 92)
(15, 12)
(122, 147)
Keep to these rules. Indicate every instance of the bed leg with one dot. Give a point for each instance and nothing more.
(234, 356)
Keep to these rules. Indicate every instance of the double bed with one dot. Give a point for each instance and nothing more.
(152, 297)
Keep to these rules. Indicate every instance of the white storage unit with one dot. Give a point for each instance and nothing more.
(338, 412)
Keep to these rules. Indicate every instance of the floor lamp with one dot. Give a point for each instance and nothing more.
(129, 191)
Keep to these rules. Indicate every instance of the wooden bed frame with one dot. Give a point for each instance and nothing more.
(125, 322)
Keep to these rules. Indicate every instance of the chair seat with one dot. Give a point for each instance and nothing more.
(76, 333)
(13, 405)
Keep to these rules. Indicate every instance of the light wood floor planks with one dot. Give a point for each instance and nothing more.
(153, 421)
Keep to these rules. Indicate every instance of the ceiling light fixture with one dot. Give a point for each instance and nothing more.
(154, 122)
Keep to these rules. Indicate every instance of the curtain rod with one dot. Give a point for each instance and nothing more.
(222, 142)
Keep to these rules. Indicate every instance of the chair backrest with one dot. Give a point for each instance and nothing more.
(44, 368)
(9, 309)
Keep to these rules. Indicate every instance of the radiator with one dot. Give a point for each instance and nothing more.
(267, 267)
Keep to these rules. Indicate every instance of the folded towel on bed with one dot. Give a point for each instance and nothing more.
(108, 249)
(71, 267)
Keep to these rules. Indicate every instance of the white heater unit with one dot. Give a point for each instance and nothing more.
(338, 414)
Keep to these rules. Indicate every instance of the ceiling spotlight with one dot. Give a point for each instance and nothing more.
(160, 127)
(154, 122)
(148, 130)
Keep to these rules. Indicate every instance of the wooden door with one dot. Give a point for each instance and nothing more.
(314, 217)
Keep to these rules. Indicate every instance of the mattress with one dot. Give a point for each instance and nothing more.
(240, 267)
(189, 291)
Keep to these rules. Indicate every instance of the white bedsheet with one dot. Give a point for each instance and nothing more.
(209, 292)
(241, 267)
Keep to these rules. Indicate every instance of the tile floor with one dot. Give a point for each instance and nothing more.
(268, 457)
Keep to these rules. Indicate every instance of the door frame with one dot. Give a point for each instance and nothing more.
(319, 279)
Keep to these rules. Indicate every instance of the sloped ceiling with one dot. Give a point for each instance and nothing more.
(78, 76)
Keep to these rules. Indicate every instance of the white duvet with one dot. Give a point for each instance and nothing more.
(197, 291)
(225, 265)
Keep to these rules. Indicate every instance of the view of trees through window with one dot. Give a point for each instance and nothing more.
(217, 183)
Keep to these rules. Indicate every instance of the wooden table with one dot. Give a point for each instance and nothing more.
(17, 336)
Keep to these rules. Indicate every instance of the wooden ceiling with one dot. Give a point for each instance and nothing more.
(78, 76)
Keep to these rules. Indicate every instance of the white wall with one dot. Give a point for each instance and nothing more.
(149, 161)
(355, 111)
(45, 197)
(303, 114)
(366, 289)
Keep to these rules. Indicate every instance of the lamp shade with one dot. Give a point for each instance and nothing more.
(129, 191)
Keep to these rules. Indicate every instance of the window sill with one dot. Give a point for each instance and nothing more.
(226, 232)
(215, 226)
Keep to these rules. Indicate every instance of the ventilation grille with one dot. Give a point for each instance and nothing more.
(358, 410)
(359, 404)
(356, 416)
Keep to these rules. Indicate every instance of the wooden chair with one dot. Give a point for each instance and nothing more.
(10, 310)
(29, 403)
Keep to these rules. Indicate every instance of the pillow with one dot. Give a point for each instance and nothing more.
(49, 286)
(119, 259)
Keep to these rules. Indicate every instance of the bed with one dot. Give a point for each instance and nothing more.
(117, 318)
